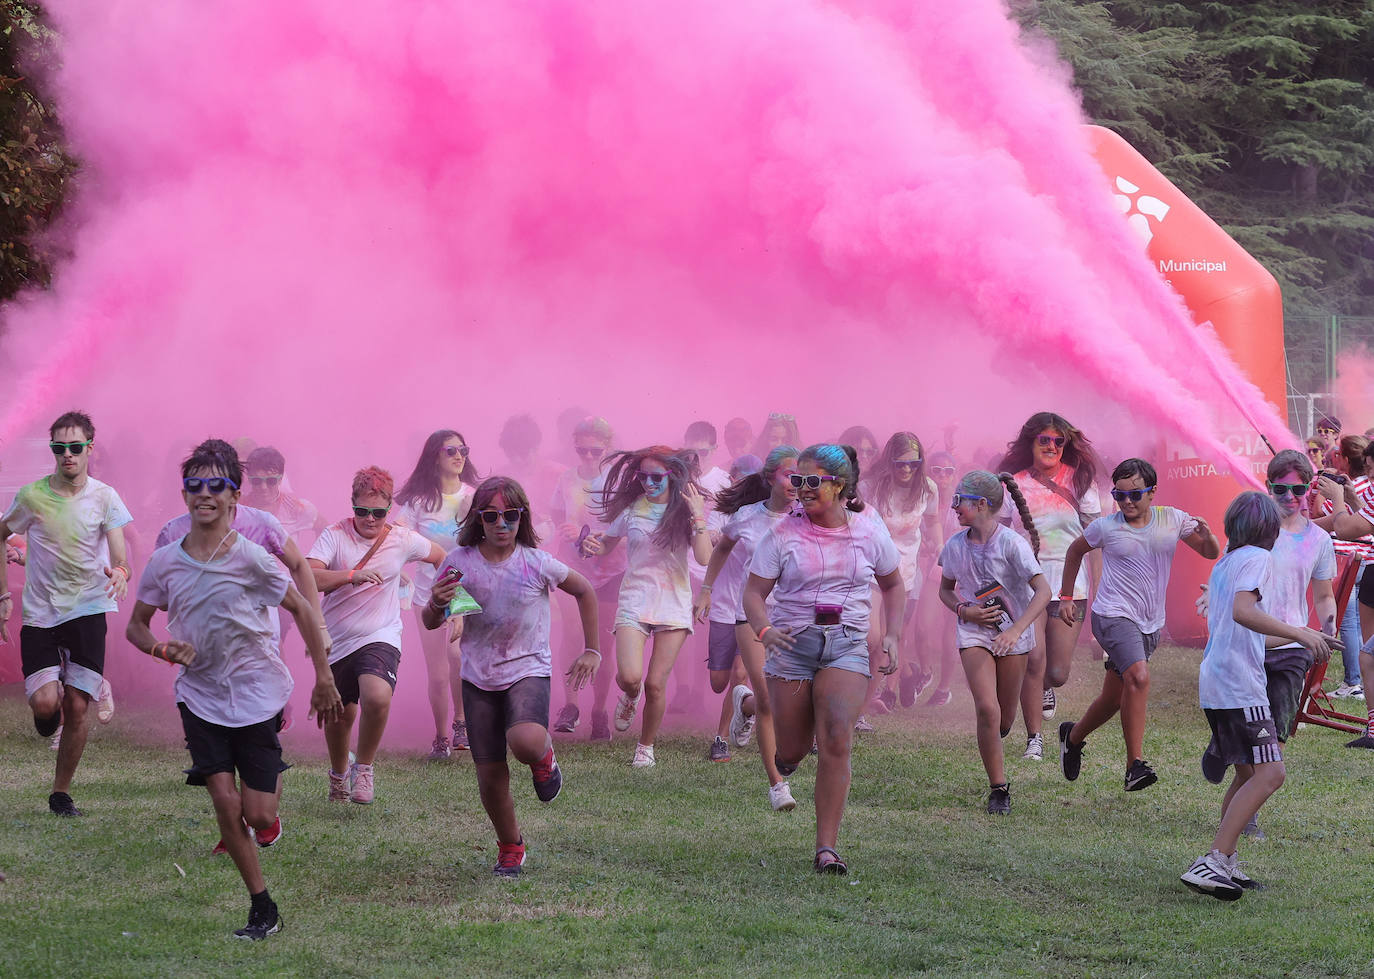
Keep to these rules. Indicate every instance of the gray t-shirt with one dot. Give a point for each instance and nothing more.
(1003, 565)
(1136, 562)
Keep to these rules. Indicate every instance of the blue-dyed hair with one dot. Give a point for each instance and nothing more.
(841, 461)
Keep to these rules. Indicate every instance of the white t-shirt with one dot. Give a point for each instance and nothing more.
(440, 527)
(656, 589)
(1298, 559)
(363, 614)
(1136, 562)
(237, 677)
(815, 565)
(712, 482)
(746, 527)
(906, 528)
(258, 526)
(509, 639)
(1003, 559)
(1232, 670)
(68, 554)
(1056, 522)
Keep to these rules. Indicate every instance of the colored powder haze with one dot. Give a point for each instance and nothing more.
(335, 228)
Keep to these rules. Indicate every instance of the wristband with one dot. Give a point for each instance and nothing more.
(350, 575)
(157, 652)
(762, 631)
(1067, 598)
(704, 587)
(959, 610)
(123, 570)
(595, 652)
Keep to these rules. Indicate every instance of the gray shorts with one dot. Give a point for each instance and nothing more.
(820, 647)
(721, 647)
(1123, 642)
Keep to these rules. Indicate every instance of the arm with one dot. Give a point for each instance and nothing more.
(1246, 612)
(1346, 526)
(584, 667)
(932, 541)
(602, 543)
(1073, 560)
(6, 603)
(894, 604)
(303, 578)
(1324, 598)
(701, 534)
(325, 702)
(435, 612)
(140, 633)
(1006, 640)
(701, 608)
(756, 592)
(330, 581)
(118, 571)
(1203, 541)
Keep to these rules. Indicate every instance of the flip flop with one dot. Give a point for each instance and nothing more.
(833, 866)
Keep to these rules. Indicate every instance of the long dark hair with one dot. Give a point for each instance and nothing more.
(422, 485)
(790, 436)
(756, 487)
(1078, 451)
(623, 489)
(472, 531)
(882, 483)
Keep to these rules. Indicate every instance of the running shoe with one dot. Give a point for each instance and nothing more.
(1213, 767)
(439, 750)
(1048, 702)
(104, 703)
(261, 923)
(510, 857)
(219, 848)
(1211, 874)
(566, 723)
(266, 837)
(60, 804)
(338, 786)
(888, 698)
(939, 698)
(625, 712)
(780, 797)
(56, 741)
(644, 756)
(360, 789)
(1035, 748)
(720, 751)
(548, 777)
(878, 707)
(1365, 740)
(460, 736)
(999, 800)
(601, 726)
(741, 726)
(1070, 754)
(1349, 690)
(1252, 830)
(862, 725)
(1140, 776)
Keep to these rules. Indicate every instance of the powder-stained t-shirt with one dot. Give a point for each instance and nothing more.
(509, 639)
(357, 615)
(1232, 670)
(656, 589)
(440, 527)
(813, 565)
(746, 527)
(258, 526)
(907, 530)
(1297, 559)
(1004, 559)
(67, 550)
(237, 677)
(1136, 562)
(1056, 522)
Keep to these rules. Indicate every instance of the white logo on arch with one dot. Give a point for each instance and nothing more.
(1139, 208)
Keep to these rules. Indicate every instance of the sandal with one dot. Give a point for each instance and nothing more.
(834, 865)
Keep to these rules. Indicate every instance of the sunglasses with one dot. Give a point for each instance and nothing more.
(942, 470)
(811, 481)
(1045, 441)
(909, 466)
(1328, 431)
(509, 516)
(215, 484)
(1133, 495)
(264, 480)
(774, 416)
(1315, 450)
(375, 512)
(649, 477)
(456, 450)
(62, 448)
(962, 498)
(1283, 489)
(591, 452)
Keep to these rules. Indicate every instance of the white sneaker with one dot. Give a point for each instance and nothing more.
(644, 755)
(104, 704)
(780, 796)
(1211, 874)
(1349, 690)
(625, 712)
(741, 727)
(56, 741)
(1035, 748)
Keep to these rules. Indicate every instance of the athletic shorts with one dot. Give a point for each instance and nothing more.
(721, 646)
(1365, 591)
(626, 621)
(1123, 642)
(1243, 735)
(1080, 608)
(375, 659)
(253, 751)
(491, 713)
(72, 652)
(1285, 676)
(820, 647)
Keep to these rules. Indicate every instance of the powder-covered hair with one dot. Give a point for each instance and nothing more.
(594, 428)
(372, 479)
(1290, 460)
(472, 531)
(422, 486)
(265, 458)
(1078, 451)
(1127, 468)
(212, 455)
(841, 461)
(995, 489)
(883, 489)
(757, 487)
(1252, 519)
(73, 419)
(624, 489)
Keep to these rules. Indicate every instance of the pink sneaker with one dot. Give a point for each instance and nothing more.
(362, 785)
(338, 786)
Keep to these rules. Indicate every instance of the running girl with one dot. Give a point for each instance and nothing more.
(937, 646)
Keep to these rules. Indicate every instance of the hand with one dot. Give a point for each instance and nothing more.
(1067, 614)
(364, 576)
(1329, 488)
(1202, 602)
(1203, 531)
(443, 592)
(978, 615)
(1318, 645)
(178, 651)
(890, 651)
(1006, 641)
(593, 544)
(326, 706)
(569, 531)
(118, 586)
(695, 502)
(6, 609)
(455, 629)
(775, 637)
(701, 608)
(16, 554)
(583, 669)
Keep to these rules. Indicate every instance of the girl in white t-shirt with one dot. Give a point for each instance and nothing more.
(995, 588)
(651, 502)
(935, 633)
(433, 501)
(754, 506)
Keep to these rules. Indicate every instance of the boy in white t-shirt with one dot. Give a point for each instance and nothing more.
(1138, 545)
(1231, 685)
(216, 587)
(76, 571)
(357, 564)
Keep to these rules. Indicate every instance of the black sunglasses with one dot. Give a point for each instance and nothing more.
(509, 516)
(215, 484)
(590, 452)
(1047, 440)
(913, 466)
(456, 450)
(264, 480)
(375, 512)
(62, 448)
(1283, 489)
(1132, 495)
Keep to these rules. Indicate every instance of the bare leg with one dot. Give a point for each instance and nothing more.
(1102, 709)
(1253, 786)
(725, 681)
(1060, 641)
(337, 735)
(1033, 687)
(376, 707)
(666, 647)
(1135, 693)
(434, 644)
(837, 697)
(629, 660)
(794, 718)
(232, 830)
(75, 726)
(760, 702)
(981, 672)
(493, 784)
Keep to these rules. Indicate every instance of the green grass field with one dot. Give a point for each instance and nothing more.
(684, 870)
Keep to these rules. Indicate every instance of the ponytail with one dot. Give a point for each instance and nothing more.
(1019, 499)
(851, 492)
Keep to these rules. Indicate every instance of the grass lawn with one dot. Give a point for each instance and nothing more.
(684, 870)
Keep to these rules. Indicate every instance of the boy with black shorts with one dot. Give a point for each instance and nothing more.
(216, 587)
(76, 571)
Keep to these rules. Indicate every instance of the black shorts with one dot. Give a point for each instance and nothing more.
(254, 751)
(1365, 591)
(376, 658)
(1285, 677)
(83, 642)
(491, 713)
(1244, 735)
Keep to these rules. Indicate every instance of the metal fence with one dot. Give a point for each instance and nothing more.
(1313, 343)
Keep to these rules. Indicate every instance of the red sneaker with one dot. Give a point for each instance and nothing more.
(266, 837)
(510, 857)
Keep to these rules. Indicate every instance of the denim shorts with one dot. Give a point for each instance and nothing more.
(820, 647)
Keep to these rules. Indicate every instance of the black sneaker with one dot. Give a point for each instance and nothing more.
(61, 805)
(1140, 776)
(1070, 754)
(720, 751)
(260, 923)
(1365, 740)
(567, 719)
(999, 800)
(1213, 768)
